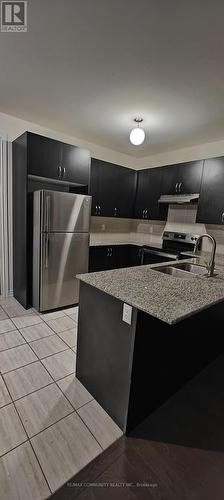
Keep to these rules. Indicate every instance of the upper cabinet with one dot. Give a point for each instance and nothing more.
(43, 156)
(56, 160)
(75, 164)
(113, 189)
(211, 201)
(148, 193)
(183, 178)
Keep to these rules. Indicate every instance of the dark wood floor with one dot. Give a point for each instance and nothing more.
(178, 451)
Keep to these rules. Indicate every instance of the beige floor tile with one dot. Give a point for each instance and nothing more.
(64, 449)
(74, 391)
(3, 314)
(99, 422)
(69, 336)
(74, 317)
(61, 324)
(11, 430)
(36, 332)
(13, 308)
(6, 325)
(60, 365)
(42, 408)
(16, 357)
(11, 339)
(4, 395)
(52, 315)
(31, 319)
(47, 346)
(28, 379)
(21, 477)
(73, 311)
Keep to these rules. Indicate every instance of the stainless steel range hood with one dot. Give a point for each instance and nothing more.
(178, 198)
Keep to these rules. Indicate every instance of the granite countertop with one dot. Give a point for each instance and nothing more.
(165, 297)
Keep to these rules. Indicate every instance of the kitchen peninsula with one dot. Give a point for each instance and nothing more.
(145, 335)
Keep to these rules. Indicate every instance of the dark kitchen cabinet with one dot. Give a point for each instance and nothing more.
(182, 178)
(44, 156)
(75, 164)
(135, 255)
(211, 201)
(113, 189)
(56, 160)
(148, 193)
(98, 258)
(102, 258)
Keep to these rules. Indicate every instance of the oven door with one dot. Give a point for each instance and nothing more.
(155, 256)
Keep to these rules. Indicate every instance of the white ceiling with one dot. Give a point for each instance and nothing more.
(88, 67)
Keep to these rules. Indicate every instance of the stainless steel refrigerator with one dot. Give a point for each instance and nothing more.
(60, 247)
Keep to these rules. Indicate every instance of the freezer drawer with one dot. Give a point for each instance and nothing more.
(63, 255)
(64, 212)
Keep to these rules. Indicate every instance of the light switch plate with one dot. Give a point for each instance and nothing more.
(127, 314)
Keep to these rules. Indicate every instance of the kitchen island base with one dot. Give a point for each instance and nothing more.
(132, 369)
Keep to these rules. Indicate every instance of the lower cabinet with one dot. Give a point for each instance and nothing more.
(102, 258)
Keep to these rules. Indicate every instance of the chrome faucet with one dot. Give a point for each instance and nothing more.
(211, 265)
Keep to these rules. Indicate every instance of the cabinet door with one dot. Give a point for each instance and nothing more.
(44, 156)
(135, 255)
(75, 164)
(112, 188)
(124, 189)
(118, 256)
(142, 197)
(148, 193)
(211, 201)
(94, 186)
(98, 258)
(189, 177)
(170, 179)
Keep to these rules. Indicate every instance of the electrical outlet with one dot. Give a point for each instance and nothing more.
(127, 314)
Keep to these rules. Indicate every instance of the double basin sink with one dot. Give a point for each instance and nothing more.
(183, 270)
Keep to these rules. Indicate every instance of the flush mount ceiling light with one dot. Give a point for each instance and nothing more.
(137, 135)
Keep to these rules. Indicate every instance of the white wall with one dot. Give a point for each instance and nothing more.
(13, 127)
(199, 152)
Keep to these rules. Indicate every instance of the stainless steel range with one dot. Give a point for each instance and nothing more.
(173, 247)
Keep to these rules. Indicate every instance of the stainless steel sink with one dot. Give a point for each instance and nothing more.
(192, 268)
(175, 272)
(183, 270)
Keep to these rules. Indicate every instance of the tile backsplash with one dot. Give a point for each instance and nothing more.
(181, 218)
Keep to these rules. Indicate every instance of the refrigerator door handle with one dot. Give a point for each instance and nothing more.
(46, 251)
(47, 214)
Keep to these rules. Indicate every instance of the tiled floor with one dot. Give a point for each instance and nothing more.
(50, 426)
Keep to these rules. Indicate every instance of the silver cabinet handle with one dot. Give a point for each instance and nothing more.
(179, 188)
(143, 214)
(63, 171)
(99, 210)
(96, 210)
(108, 252)
(223, 218)
(146, 214)
(59, 172)
(176, 187)
(111, 251)
(115, 212)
